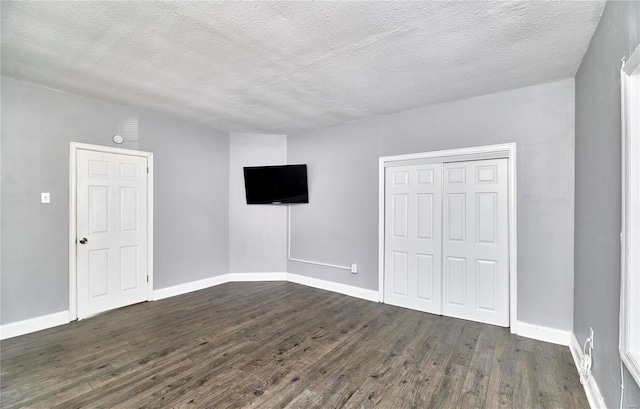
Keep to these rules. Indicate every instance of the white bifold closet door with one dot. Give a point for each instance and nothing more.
(413, 242)
(446, 239)
(475, 251)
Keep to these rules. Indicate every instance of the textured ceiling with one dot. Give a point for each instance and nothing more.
(287, 67)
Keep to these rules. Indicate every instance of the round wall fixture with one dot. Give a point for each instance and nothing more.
(118, 139)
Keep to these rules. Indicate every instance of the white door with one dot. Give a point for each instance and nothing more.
(413, 208)
(475, 241)
(111, 244)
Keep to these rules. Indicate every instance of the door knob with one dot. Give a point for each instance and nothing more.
(83, 240)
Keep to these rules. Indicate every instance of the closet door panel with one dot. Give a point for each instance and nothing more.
(475, 241)
(413, 239)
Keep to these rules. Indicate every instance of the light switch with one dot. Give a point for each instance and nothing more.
(45, 197)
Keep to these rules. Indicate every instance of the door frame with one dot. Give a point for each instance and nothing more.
(508, 151)
(74, 147)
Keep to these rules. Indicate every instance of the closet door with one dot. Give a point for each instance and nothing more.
(475, 243)
(413, 238)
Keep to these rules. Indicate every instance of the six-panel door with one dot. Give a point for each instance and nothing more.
(413, 237)
(112, 217)
(475, 281)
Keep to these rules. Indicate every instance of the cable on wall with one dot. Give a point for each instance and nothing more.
(585, 362)
(350, 268)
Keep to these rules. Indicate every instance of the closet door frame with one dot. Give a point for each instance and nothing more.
(508, 151)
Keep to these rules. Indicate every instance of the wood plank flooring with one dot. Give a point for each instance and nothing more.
(282, 345)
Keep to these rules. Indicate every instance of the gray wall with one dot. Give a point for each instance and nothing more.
(258, 233)
(191, 193)
(340, 224)
(598, 201)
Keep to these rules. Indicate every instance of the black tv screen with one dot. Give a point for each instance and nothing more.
(276, 184)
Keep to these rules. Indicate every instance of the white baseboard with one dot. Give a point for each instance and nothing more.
(352, 291)
(15, 329)
(236, 277)
(546, 334)
(357, 292)
(349, 290)
(596, 401)
(189, 287)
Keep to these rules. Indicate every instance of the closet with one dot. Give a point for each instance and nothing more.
(446, 238)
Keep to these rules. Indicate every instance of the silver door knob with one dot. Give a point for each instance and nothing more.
(83, 240)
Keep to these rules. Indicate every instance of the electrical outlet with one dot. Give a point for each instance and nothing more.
(45, 197)
(354, 268)
(591, 336)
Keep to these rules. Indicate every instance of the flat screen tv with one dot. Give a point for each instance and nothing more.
(276, 184)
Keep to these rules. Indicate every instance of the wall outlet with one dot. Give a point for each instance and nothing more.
(591, 336)
(45, 197)
(354, 268)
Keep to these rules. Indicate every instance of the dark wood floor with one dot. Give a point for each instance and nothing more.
(282, 345)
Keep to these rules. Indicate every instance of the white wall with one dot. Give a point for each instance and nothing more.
(257, 233)
(598, 196)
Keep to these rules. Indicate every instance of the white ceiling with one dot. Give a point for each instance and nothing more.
(287, 67)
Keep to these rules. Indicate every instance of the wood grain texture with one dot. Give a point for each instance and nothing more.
(282, 345)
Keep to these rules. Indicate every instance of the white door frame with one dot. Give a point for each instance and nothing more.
(73, 183)
(507, 150)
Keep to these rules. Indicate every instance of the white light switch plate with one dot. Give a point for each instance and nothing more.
(45, 197)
